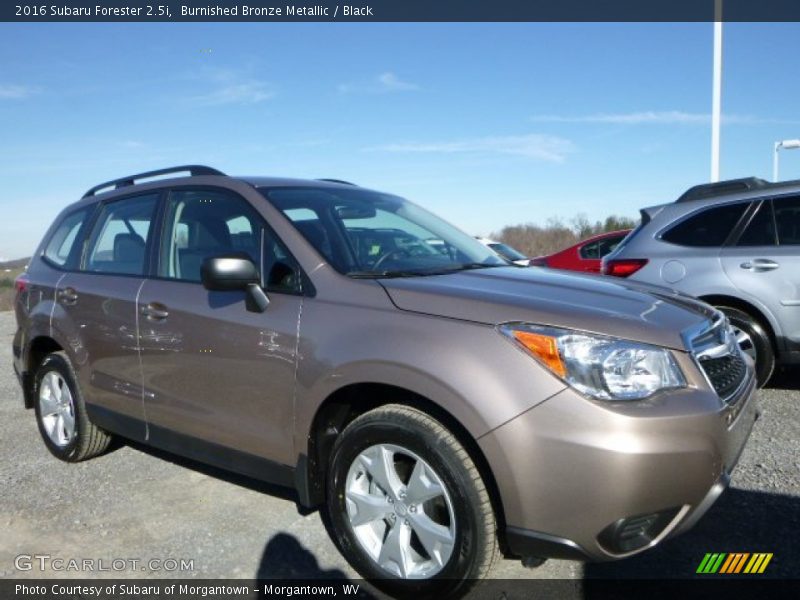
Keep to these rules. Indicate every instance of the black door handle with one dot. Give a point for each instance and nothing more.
(68, 296)
(155, 311)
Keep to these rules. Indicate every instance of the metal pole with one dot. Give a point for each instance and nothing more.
(775, 162)
(716, 99)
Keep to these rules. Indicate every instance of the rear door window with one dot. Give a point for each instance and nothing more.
(62, 247)
(119, 238)
(590, 250)
(708, 228)
(608, 245)
(787, 219)
(761, 229)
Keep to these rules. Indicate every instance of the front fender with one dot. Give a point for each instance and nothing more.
(467, 369)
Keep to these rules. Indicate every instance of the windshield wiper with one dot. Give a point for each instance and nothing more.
(388, 274)
(418, 272)
(476, 265)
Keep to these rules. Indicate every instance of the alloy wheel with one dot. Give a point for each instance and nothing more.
(745, 342)
(57, 409)
(400, 511)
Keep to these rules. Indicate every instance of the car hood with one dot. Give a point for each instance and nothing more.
(603, 305)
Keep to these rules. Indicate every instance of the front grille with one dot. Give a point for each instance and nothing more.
(725, 373)
(719, 356)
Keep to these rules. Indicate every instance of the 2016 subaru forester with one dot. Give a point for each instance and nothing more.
(441, 404)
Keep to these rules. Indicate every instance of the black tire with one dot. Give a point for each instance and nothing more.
(88, 440)
(475, 548)
(760, 340)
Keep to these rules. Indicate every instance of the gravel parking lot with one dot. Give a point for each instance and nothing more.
(135, 503)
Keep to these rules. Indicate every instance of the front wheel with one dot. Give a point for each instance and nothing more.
(407, 506)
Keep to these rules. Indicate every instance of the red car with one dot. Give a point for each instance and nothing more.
(585, 255)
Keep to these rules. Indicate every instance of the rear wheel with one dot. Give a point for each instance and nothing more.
(754, 341)
(61, 413)
(407, 506)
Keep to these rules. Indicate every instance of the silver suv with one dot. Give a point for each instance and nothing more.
(736, 245)
(438, 403)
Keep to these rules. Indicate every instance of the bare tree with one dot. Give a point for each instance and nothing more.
(537, 240)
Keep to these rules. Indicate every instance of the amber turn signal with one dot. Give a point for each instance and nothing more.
(543, 347)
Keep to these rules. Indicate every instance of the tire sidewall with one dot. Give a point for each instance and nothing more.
(58, 364)
(446, 464)
(765, 355)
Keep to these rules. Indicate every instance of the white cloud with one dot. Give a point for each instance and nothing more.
(10, 91)
(382, 84)
(532, 146)
(392, 83)
(227, 86)
(246, 92)
(667, 117)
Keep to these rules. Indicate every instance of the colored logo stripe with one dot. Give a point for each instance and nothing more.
(710, 563)
(758, 563)
(734, 562)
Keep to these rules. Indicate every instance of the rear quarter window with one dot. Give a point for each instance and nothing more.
(65, 241)
(708, 228)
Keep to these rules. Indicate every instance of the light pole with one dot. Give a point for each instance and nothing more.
(786, 145)
(716, 94)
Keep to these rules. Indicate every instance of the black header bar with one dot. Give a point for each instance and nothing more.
(398, 10)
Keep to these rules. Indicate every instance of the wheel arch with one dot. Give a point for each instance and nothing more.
(350, 401)
(39, 347)
(751, 309)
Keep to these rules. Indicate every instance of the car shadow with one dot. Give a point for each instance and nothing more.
(740, 521)
(284, 557)
(785, 378)
(217, 473)
(287, 560)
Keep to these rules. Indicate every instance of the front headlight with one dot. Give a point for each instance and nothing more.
(602, 367)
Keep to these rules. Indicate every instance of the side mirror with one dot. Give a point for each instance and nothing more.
(226, 274)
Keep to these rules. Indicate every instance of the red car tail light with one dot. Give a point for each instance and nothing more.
(21, 283)
(623, 267)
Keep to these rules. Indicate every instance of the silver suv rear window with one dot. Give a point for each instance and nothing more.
(710, 227)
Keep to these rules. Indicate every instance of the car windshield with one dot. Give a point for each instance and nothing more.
(368, 234)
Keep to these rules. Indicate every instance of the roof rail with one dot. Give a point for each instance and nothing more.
(131, 179)
(342, 181)
(720, 188)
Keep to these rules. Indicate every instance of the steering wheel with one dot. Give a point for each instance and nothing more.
(386, 256)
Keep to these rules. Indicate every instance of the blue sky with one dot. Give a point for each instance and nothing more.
(486, 124)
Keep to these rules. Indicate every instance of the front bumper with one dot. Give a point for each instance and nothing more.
(577, 476)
